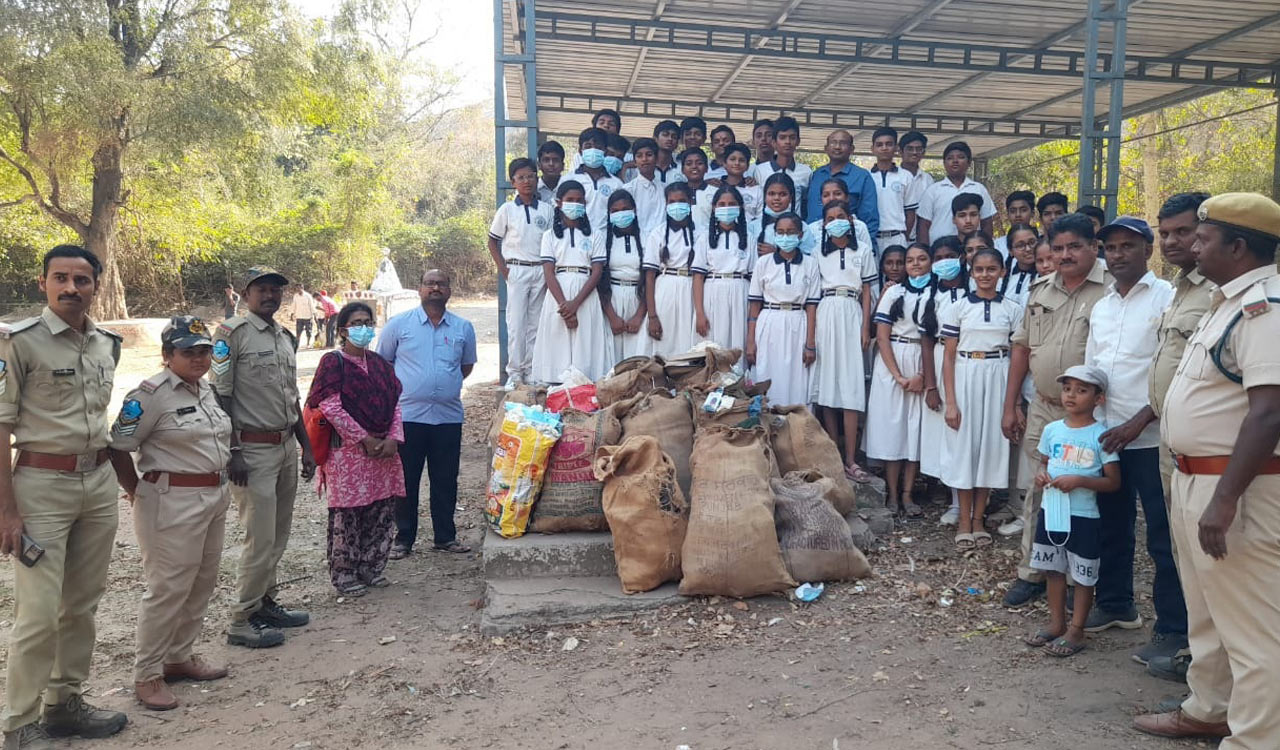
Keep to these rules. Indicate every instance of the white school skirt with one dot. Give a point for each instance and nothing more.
(978, 453)
(673, 298)
(893, 415)
(625, 303)
(839, 379)
(589, 347)
(725, 302)
(934, 432)
(780, 337)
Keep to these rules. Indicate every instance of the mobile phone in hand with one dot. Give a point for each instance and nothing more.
(31, 551)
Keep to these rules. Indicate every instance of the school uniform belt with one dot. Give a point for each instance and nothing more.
(573, 269)
(734, 275)
(185, 480)
(625, 282)
(995, 354)
(80, 463)
(525, 263)
(890, 232)
(842, 291)
(785, 306)
(271, 438)
(675, 272)
(902, 339)
(1217, 465)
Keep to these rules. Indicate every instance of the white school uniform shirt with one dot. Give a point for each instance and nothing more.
(1016, 284)
(980, 325)
(701, 206)
(849, 267)
(812, 239)
(573, 248)
(651, 202)
(907, 326)
(752, 199)
(808, 240)
(597, 196)
(935, 205)
(682, 249)
(1002, 244)
(779, 281)
(921, 181)
(891, 197)
(715, 173)
(725, 256)
(624, 259)
(943, 299)
(519, 226)
(800, 173)
(670, 174)
(547, 194)
(1122, 343)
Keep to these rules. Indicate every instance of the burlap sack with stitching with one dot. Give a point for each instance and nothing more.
(801, 444)
(647, 514)
(631, 376)
(571, 494)
(815, 540)
(668, 418)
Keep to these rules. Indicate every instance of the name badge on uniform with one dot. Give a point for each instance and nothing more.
(186, 410)
(64, 373)
(265, 354)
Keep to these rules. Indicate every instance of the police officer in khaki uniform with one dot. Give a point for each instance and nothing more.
(56, 372)
(1052, 338)
(183, 441)
(1222, 423)
(255, 378)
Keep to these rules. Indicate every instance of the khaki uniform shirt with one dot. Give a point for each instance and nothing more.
(55, 384)
(1056, 326)
(174, 426)
(1191, 293)
(255, 365)
(1204, 408)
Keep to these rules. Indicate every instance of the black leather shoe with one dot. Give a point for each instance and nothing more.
(1022, 592)
(276, 616)
(75, 717)
(1101, 619)
(1171, 668)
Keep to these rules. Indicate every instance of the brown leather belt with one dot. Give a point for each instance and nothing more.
(1217, 465)
(185, 480)
(55, 462)
(272, 438)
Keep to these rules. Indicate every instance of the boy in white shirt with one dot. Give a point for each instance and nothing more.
(1019, 208)
(667, 136)
(515, 242)
(892, 185)
(693, 132)
(551, 164)
(934, 215)
(912, 146)
(597, 182)
(647, 186)
(721, 138)
(786, 139)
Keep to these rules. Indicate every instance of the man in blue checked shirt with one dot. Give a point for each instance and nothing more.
(863, 199)
(433, 350)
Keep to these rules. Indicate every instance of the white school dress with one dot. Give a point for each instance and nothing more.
(785, 287)
(673, 287)
(623, 259)
(724, 296)
(651, 203)
(893, 415)
(839, 373)
(934, 432)
(589, 347)
(519, 227)
(808, 239)
(1016, 284)
(978, 453)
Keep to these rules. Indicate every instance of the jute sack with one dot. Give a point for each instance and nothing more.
(666, 417)
(700, 371)
(571, 494)
(738, 415)
(731, 548)
(530, 395)
(815, 540)
(801, 444)
(631, 376)
(647, 514)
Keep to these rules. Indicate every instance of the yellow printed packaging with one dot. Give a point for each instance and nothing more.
(520, 460)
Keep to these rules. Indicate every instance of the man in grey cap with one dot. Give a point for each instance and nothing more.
(255, 375)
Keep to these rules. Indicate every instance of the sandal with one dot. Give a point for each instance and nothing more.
(1040, 639)
(964, 541)
(455, 546)
(911, 509)
(1063, 648)
(398, 551)
(380, 582)
(856, 473)
(981, 539)
(353, 590)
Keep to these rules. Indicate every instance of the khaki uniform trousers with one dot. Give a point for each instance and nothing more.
(1233, 611)
(180, 531)
(266, 514)
(1039, 415)
(74, 517)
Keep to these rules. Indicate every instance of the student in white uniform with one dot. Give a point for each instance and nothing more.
(693, 165)
(721, 138)
(593, 177)
(782, 315)
(607, 120)
(893, 270)
(1019, 208)
(623, 298)
(737, 160)
(693, 133)
(762, 141)
(667, 136)
(779, 198)
(847, 268)
(572, 329)
(934, 216)
(972, 243)
(892, 186)
(976, 371)
(897, 382)
(786, 139)
(835, 190)
(670, 263)
(1020, 267)
(646, 187)
(950, 285)
(550, 164)
(720, 298)
(912, 146)
(515, 242)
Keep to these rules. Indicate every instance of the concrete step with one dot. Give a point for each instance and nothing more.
(575, 554)
(513, 603)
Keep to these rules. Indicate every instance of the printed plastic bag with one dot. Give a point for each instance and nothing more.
(519, 462)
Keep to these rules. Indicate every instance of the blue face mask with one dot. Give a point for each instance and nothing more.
(838, 227)
(678, 211)
(918, 282)
(787, 242)
(593, 157)
(573, 211)
(947, 269)
(622, 219)
(727, 214)
(361, 336)
(612, 164)
(770, 212)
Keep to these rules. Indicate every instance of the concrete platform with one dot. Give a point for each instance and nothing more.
(574, 554)
(513, 603)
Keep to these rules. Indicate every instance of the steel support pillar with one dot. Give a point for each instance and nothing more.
(1099, 182)
(526, 33)
(1275, 164)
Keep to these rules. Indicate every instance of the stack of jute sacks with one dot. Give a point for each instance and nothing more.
(699, 480)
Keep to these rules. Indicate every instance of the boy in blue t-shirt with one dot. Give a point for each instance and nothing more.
(1073, 470)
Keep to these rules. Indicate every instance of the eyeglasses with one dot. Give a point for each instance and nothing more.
(1025, 245)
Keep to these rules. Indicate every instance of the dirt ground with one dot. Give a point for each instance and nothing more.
(882, 664)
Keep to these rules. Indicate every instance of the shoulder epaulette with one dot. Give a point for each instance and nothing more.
(8, 329)
(230, 324)
(1042, 279)
(111, 333)
(1255, 301)
(153, 383)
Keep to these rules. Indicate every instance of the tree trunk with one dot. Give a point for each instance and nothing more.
(1151, 179)
(109, 304)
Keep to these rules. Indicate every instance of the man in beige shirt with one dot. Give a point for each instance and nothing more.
(56, 372)
(255, 375)
(1052, 338)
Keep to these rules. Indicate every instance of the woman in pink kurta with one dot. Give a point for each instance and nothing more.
(357, 391)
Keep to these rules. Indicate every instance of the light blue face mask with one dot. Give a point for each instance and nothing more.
(622, 219)
(361, 336)
(787, 242)
(727, 214)
(593, 157)
(678, 211)
(918, 282)
(573, 211)
(838, 227)
(770, 212)
(612, 164)
(947, 269)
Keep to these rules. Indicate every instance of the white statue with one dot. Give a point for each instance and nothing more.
(386, 279)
